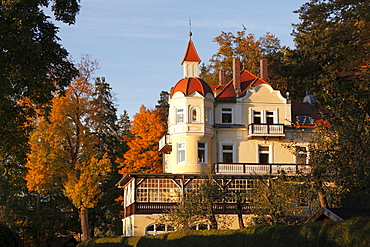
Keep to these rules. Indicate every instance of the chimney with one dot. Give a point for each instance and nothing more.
(236, 75)
(264, 69)
(222, 78)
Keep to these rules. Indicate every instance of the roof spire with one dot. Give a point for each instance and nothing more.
(190, 33)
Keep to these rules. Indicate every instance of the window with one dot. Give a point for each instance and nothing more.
(200, 226)
(301, 155)
(264, 116)
(158, 190)
(263, 154)
(304, 120)
(257, 117)
(227, 153)
(269, 117)
(226, 115)
(194, 115)
(180, 115)
(207, 116)
(155, 229)
(181, 152)
(202, 153)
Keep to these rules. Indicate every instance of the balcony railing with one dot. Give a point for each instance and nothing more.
(165, 144)
(161, 207)
(266, 130)
(259, 169)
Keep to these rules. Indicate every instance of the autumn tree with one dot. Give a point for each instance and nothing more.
(245, 46)
(67, 152)
(33, 65)
(143, 155)
(332, 58)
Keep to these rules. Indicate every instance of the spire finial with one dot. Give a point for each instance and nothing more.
(190, 33)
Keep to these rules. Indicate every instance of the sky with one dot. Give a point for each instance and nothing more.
(140, 43)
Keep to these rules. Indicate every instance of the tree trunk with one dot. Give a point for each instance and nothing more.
(322, 199)
(239, 207)
(213, 221)
(84, 218)
(321, 194)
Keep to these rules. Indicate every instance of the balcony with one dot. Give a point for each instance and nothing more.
(259, 169)
(266, 130)
(165, 145)
(162, 207)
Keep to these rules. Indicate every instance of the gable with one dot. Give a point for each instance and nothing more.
(263, 93)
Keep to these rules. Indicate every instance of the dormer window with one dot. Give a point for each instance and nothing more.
(304, 120)
(226, 115)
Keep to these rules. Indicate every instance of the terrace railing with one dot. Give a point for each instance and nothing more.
(260, 169)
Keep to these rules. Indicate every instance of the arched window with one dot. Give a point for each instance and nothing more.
(194, 115)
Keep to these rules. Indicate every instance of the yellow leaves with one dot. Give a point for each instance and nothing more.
(83, 185)
(64, 151)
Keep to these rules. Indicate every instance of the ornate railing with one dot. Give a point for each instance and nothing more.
(259, 169)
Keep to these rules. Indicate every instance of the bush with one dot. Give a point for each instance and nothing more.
(8, 237)
(354, 232)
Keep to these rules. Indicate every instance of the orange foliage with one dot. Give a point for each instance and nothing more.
(63, 152)
(143, 155)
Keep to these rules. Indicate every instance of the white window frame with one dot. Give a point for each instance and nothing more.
(180, 115)
(233, 151)
(181, 152)
(269, 152)
(205, 148)
(297, 152)
(263, 115)
(231, 112)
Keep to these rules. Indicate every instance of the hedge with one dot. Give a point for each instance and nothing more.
(354, 232)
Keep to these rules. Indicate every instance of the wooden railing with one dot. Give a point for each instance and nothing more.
(259, 169)
(266, 130)
(159, 207)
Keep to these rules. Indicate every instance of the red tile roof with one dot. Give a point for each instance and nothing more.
(191, 54)
(190, 85)
(247, 80)
(303, 108)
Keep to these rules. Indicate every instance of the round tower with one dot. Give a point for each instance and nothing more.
(190, 119)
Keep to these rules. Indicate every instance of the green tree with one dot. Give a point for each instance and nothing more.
(332, 59)
(104, 217)
(163, 106)
(283, 199)
(33, 65)
(197, 205)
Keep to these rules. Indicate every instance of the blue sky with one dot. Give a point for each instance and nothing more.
(140, 43)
